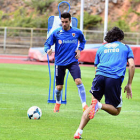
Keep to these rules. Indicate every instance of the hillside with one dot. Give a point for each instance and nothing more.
(126, 10)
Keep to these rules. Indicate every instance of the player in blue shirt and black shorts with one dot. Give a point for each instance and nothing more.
(69, 42)
(110, 66)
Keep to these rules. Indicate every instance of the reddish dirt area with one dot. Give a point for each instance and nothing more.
(13, 59)
(19, 60)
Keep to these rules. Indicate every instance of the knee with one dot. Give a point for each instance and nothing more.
(78, 81)
(59, 87)
(117, 112)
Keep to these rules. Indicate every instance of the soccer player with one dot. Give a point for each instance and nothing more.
(67, 52)
(110, 65)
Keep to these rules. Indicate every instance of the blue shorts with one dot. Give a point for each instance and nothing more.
(109, 87)
(60, 72)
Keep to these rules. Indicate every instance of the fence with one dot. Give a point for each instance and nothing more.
(94, 36)
(14, 40)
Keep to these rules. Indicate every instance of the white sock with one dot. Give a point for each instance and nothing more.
(58, 102)
(83, 104)
(80, 131)
(99, 105)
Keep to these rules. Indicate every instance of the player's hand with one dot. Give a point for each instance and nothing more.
(77, 56)
(128, 90)
(49, 52)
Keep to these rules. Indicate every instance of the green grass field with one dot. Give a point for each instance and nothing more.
(23, 86)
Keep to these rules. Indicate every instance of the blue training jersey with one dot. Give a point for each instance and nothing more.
(111, 59)
(66, 43)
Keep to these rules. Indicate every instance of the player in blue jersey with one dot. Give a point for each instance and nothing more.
(67, 52)
(110, 66)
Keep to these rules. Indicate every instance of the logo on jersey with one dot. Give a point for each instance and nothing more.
(111, 48)
(67, 41)
(73, 34)
(70, 41)
(111, 45)
(60, 41)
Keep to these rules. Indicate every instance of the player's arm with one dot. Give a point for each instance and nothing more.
(77, 56)
(47, 48)
(97, 60)
(130, 78)
(82, 42)
(49, 52)
(49, 42)
(95, 69)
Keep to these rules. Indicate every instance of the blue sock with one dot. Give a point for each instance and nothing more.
(58, 96)
(82, 93)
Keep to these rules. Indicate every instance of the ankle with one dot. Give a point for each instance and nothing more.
(83, 104)
(99, 105)
(80, 131)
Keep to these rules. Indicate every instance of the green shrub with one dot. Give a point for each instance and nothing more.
(122, 24)
(90, 21)
(40, 5)
(20, 18)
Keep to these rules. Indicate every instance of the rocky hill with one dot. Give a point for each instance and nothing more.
(127, 10)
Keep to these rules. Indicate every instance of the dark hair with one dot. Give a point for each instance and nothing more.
(114, 34)
(66, 15)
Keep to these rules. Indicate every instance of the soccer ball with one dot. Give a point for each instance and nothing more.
(34, 113)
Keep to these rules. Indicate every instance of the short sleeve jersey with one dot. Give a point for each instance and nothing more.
(111, 59)
(66, 43)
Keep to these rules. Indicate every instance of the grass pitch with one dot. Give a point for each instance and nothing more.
(23, 86)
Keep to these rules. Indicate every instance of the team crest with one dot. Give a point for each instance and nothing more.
(73, 34)
(60, 41)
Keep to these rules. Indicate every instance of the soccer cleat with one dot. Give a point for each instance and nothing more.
(94, 108)
(77, 136)
(85, 107)
(56, 108)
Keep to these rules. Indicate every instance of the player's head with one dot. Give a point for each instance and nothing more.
(115, 34)
(66, 20)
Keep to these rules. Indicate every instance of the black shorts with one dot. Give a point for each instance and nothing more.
(60, 72)
(109, 87)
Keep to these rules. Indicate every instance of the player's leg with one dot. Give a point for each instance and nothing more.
(113, 97)
(58, 90)
(76, 74)
(98, 88)
(111, 109)
(82, 93)
(86, 117)
(60, 73)
(112, 92)
(84, 120)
